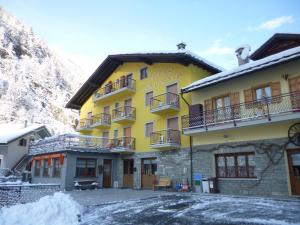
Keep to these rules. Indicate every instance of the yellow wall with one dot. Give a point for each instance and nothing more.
(239, 85)
(159, 76)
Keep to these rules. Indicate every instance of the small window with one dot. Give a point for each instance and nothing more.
(116, 133)
(144, 73)
(23, 142)
(56, 167)
(46, 167)
(263, 92)
(148, 129)
(36, 168)
(237, 165)
(148, 97)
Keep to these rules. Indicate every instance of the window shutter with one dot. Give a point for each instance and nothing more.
(276, 92)
(248, 95)
(294, 84)
(208, 104)
(235, 102)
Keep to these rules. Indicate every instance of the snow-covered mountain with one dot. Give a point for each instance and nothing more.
(35, 83)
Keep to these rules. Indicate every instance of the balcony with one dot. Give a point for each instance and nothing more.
(123, 114)
(69, 142)
(122, 145)
(101, 120)
(114, 90)
(84, 125)
(285, 107)
(165, 139)
(165, 103)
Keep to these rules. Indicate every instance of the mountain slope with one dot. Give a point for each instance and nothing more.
(35, 83)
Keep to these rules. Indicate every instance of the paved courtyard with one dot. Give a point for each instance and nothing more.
(115, 206)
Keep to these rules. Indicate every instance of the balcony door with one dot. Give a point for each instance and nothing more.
(89, 119)
(128, 173)
(172, 128)
(294, 170)
(295, 92)
(172, 94)
(127, 136)
(223, 110)
(127, 107)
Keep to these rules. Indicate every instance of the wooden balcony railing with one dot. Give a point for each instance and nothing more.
(247, 111)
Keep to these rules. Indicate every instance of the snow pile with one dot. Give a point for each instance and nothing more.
(35, 83)
(59, 209)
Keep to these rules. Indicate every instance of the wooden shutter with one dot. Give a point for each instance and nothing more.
(235, 102)
(294, 84)
(196, 115)
(276, 92)
(248, 95)
(208, 105)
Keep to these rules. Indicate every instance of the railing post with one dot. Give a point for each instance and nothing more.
(233, 116)
(204, 120)
(268, 112)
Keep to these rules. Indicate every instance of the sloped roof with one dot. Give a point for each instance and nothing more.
(113, 61)
(11, 132)
(277, 43)
(253, 66)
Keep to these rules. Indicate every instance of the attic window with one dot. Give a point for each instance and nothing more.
(23, 142)
(144, 73)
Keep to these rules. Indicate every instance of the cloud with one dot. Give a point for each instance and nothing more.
(273, 24)
(217, 49)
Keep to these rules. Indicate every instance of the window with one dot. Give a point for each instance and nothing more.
(23, 142)
(148, 129)
(263, 92)
(46, 167)
(86, 167)
(56, 167)
(116, 105)
(36, 168)
(144, 73)
(116, 134)
(148, 97)
(237, 165)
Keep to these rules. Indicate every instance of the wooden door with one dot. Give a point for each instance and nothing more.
(195, 115)
(107, 169)
(295, 92)
(127, 136)
(128, 173)
(149, 169)
(294, 170)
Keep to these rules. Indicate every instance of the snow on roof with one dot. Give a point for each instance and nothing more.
(252, 66)
(186, 52)
(9, 132)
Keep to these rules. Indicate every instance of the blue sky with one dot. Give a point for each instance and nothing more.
(87, 31)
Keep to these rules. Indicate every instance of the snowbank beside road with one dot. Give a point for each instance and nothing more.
(59, 209)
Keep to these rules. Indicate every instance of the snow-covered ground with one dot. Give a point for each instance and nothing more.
(59, 209)
(119, 206)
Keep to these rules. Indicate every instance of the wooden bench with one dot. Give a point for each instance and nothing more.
(164, 183)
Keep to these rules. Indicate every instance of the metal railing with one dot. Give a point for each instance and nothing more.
(111, 87)
(84, 124)
(168, 136)
(166, 99)
(68, 142)
(124, 112)
(123, 142)
(102, 118)
(247, 111)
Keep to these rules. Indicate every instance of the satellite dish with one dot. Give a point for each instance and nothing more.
(294, 134)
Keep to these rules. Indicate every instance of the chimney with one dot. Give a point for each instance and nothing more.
(181, 46)
(25, 123)
(242, 54)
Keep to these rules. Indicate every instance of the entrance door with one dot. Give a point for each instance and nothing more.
(294, 169)
(127, 136)
(128, 173)
(149, 169)
(107, 173)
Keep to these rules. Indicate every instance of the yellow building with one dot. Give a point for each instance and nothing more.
(133, 102)
(245, 122)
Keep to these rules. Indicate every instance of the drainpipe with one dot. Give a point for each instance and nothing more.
(191, 147)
